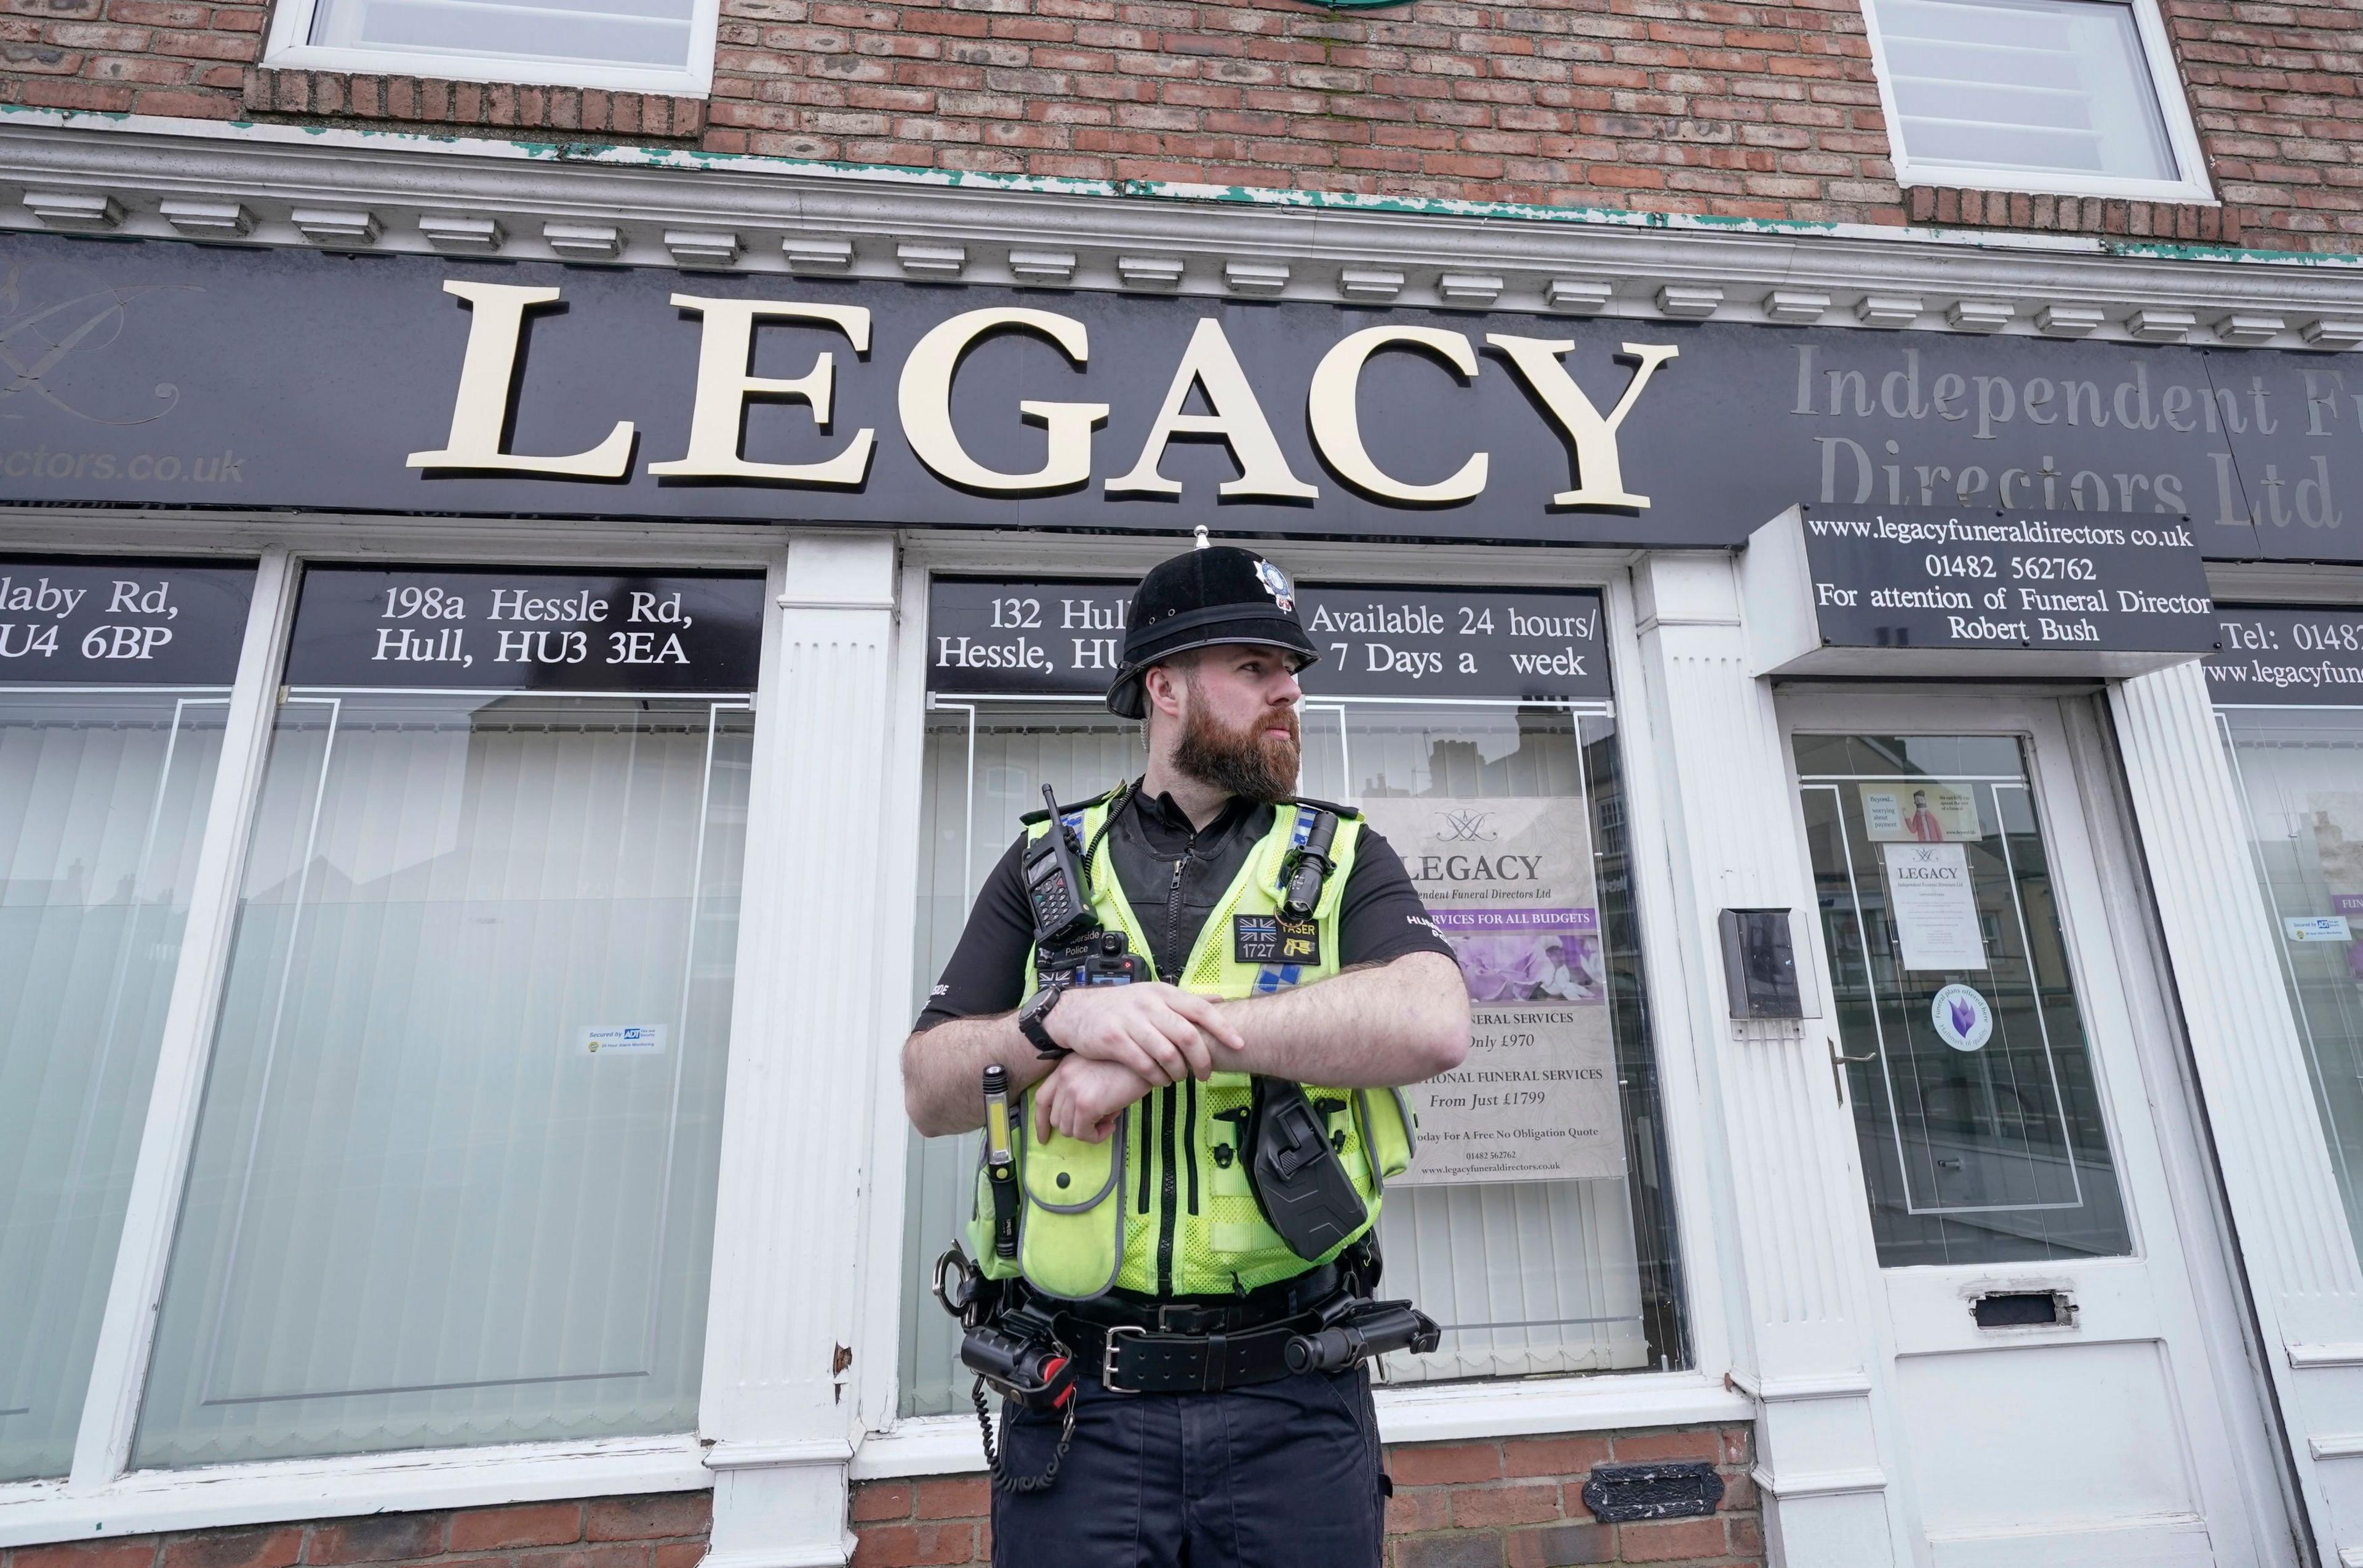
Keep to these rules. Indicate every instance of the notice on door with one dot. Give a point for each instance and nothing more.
(1934, 906)
(1509, 883)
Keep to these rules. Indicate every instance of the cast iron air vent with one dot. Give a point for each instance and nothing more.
(1621, 1494)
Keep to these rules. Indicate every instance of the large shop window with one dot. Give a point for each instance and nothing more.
(114, 683)
(2290, 697)
(1536, 1223)
(454, 1176)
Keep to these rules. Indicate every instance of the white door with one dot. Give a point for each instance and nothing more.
(2064, 1392)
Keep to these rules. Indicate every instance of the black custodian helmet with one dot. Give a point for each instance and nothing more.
(1212, 596)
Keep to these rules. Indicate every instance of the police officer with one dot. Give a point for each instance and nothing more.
(1148, 1253)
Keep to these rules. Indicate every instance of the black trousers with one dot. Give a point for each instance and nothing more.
(1281, 1475)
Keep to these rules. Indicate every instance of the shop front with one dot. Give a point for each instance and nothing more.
(497, 753)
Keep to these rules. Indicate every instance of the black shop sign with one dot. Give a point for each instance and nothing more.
(1868, 591)
(2283, 657)
(438, 628)
(1057, 637)
(121, 622)
(198, 376)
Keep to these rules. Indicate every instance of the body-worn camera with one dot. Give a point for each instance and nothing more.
(1102, 958)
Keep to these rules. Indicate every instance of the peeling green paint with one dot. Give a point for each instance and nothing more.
(631, 155)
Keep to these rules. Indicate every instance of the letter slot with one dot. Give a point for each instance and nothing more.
(2024, 1309)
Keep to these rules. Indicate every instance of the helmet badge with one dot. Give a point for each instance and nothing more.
(1275, 582)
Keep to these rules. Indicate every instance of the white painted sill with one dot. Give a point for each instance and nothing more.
(690, 82)
(1418, 1413)
(2021, 183)
(148, 1501)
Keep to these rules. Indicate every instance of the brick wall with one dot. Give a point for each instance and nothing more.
(1758, 110)
(662, 1531)
(1517, 1503)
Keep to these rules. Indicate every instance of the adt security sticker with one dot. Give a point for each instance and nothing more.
(1964, 1019)
(623, 1039)
(2317, 929)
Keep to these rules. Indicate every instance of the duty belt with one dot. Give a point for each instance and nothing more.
(1196, 1346)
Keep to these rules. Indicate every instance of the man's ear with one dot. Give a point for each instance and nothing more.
(1161, 684)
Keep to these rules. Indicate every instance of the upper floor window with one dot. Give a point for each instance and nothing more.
(649, 46)
(2072, 97)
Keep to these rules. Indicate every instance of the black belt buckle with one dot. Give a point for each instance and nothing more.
(1110, 1346)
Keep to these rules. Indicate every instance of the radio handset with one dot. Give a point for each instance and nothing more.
(1055, 889)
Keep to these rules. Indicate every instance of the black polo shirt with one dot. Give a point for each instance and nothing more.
(1173, 875)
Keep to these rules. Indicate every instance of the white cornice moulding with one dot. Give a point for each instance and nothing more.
(348, 189)
(1043, 266)
(1690, 301)
(207, 220)
(74, 209)
(2155, 326)
(2249, 328)
(334, 228)
(1149, 273)
(1469, 290)
(1889, 310)
(701, 247)
(1980, 315)
(818, 255)
(1578, 296)
(584, 241)
(932, 260)
(1796, 305)
(2068, 320)
(453, 232)
(1255, 277)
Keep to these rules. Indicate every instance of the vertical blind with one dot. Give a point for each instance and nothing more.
(442, 1191)
(2054, 85)
(103, 799)
(1530, 1277)
(2300, 774)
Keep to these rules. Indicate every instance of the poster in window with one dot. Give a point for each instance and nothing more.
(1509, 883)
(2337, 818)
(1920, 811)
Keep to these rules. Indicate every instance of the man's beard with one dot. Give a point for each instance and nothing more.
(1246, 761)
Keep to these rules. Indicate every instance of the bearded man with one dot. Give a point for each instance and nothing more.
(1282, 945)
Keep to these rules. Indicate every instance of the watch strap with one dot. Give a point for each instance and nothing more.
(1031, 1023)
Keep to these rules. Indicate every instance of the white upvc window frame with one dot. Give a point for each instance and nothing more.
(102, 1496)
(893, 1445)
(2174, 102)
(288, 47)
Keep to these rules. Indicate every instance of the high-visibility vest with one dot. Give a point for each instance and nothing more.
(1164, 1206)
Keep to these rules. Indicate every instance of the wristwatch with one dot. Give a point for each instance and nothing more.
(1032, 1016)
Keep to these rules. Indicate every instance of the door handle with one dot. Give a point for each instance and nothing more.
(1837, 1069)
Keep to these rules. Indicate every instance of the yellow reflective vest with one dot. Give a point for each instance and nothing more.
(1164, 1206)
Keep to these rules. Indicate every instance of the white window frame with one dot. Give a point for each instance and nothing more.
(893, 1445)
(2174, 102)
(288, 49)
(102, 1496)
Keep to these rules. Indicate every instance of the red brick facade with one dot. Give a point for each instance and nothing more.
(1704, 107)
(666, 1530)
(1517, 1503)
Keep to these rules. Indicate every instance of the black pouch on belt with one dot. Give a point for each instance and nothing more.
(1300, 1182)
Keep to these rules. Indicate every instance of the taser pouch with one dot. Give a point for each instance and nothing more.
(1304, 1188)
